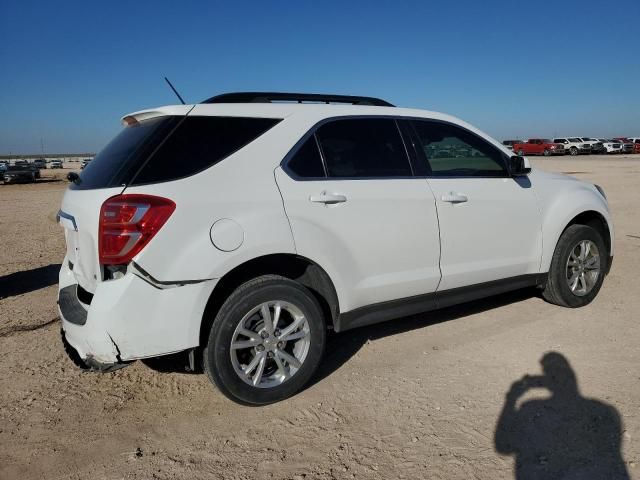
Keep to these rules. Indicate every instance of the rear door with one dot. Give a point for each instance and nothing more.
(490, 225)
(356, 208)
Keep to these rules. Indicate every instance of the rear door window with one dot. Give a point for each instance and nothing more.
(363, 148)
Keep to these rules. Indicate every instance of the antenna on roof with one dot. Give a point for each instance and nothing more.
(174, 90)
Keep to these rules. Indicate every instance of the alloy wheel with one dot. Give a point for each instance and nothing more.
(270, 344)
(583, 267)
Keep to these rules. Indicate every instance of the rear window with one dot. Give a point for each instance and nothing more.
(119, 160)
(169, 148)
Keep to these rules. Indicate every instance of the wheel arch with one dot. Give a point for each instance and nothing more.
(596, 218)
(292, 266)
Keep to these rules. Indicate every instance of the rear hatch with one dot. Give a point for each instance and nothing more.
(105, 176)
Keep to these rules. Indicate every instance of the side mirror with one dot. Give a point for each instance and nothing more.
(519, 166)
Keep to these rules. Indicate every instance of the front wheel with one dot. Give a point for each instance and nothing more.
(266, 341)
(546, 152)
(573, 151)
(577, 267)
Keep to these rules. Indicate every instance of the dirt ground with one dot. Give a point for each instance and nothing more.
(412, 398)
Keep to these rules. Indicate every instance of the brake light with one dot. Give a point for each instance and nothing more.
(127, 223)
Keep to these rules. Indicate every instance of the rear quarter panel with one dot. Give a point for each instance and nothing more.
(241, 188)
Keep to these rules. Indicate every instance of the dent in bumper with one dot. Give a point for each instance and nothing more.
(129, 319)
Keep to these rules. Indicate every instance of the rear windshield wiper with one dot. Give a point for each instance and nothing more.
(73, 177)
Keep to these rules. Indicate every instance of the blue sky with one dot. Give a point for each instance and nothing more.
(70, 70)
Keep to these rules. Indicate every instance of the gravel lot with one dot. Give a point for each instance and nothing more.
(413, 398)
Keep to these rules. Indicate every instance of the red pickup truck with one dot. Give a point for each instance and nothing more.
(539, 146)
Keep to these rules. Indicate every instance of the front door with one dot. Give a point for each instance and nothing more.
(490, 224)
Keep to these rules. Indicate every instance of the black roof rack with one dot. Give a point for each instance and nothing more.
(269, 97)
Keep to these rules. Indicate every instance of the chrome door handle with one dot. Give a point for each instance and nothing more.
(453, 197)
(328, 198)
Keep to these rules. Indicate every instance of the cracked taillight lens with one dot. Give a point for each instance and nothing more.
(127, 223)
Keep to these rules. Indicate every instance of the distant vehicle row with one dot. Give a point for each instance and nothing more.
(573, 146)
(41, 163)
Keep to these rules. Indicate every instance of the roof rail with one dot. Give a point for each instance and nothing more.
(270, 97)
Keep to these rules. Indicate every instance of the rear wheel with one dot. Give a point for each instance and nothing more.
(521, 153)
(577, 267)
(546, 152)
(266, 341)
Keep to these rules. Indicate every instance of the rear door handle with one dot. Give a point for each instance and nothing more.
(453, 197)
(328, 198)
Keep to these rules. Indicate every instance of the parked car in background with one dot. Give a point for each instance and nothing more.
(574, 145)
(627, 145)
(594, 144)
(35, 169)
(247, 228)
(3, 166)
(636, 144)
(85, 162)
(19, 174)
(21, 162)
(539, 146)
(55, 164)
(509, 143)
(611, 146)
(40, 163)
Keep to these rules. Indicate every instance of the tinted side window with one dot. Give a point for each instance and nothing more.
(306, 162)
(198, 143)
(363, 147)
(454, 151)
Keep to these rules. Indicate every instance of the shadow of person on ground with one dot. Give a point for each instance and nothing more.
(564, 436)
(28, 280)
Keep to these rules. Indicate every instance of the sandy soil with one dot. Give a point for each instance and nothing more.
(412, 398)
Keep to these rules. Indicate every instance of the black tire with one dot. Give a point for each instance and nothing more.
(521, 153)
(546, 152)
(573, 151)
(217, 353)
(557, 290)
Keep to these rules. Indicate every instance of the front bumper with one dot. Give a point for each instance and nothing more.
(129, 318)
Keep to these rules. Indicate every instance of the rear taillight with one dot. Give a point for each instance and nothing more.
(127, 223)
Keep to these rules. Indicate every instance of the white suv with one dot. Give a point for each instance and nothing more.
(575, 145)
(242, 228)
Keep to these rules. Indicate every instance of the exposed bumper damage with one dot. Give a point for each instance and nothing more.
(129, 318)
(90, 363)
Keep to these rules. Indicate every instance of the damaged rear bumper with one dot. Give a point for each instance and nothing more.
(128, 319)
(89, 363)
